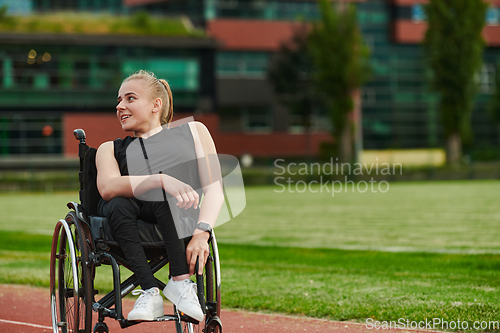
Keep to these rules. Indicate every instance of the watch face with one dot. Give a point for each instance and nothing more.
(203, 226)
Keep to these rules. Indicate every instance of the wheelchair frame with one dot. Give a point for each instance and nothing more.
(75, 254)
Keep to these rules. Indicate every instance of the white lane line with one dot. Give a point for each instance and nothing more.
(25, 324)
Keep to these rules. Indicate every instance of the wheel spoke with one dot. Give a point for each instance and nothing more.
(72, 308)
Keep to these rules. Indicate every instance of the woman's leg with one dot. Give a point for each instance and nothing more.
(123, 214)
(180, 290)
(159, 211)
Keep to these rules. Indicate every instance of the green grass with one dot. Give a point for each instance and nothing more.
(325, 283)
(341, 284)
(418, 216)
(458, 216)
(294, 252)
(35, 213)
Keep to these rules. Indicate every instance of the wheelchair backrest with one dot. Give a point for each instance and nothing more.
(89, 195)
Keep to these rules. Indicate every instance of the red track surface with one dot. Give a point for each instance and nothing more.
(25, 309)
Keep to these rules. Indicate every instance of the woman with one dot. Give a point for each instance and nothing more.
(144, 105)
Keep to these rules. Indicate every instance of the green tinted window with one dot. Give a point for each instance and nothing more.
(54, 76)
(242, 63)
(30, 133)
(180, 73)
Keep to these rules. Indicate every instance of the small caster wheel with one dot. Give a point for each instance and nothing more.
(214, 325)
(101, 328)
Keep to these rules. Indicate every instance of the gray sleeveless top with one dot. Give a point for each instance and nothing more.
(172, 152)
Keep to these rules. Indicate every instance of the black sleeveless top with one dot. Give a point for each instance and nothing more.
(171, 151)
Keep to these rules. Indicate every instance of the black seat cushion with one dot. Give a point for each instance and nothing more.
(149, 233)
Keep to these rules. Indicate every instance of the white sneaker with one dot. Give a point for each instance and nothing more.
(148, 306)
(183, 295)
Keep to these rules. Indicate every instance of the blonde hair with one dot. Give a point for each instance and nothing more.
(158, 88)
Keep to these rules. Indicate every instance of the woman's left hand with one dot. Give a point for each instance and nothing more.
(198, 248)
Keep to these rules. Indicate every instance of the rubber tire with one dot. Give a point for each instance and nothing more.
(74, 311)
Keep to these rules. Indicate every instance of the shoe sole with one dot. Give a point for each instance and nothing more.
(157, 314)
(187, 312)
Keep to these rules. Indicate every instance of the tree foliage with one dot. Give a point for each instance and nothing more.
(341, 63)
(290, 75)
(494, 106)
(322, 65)
(454, 47)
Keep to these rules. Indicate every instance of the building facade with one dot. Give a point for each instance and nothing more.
(399, 111)
(222, 79)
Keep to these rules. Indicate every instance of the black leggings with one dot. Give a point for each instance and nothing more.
(123, 214)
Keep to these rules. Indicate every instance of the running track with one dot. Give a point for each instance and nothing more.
(25, 309)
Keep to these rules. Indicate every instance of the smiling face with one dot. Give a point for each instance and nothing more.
(136, 110)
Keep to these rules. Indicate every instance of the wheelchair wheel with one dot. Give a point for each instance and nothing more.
(213, 299)
(209, 297)
(70, 278)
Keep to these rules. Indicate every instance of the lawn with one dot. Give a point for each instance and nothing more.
(420, 250)
(458, 216)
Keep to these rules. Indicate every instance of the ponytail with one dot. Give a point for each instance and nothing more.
(167, 112)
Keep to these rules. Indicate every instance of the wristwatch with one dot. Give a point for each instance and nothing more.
(204, 227)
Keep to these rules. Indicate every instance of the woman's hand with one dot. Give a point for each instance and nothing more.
(198, 248)
(185, 195)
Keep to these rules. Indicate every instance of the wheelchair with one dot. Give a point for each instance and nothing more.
(83, 241)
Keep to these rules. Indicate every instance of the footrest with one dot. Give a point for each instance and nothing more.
(127, 323)
(166, 318)
(188, 319)
(174, 317)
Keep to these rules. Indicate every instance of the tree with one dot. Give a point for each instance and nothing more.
(454, 47)
(494, 105)
(290, 75)
(340, 59)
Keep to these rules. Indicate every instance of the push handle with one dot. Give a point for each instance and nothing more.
(79, 135)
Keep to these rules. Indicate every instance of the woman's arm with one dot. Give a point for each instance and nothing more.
(111, 183)
(210, 174)
(211, 182)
